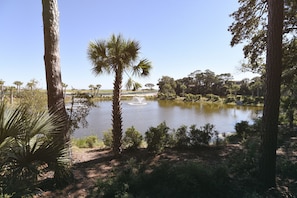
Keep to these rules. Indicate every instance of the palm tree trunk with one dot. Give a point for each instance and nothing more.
(55, 95)
(11, 96)
(117, 112)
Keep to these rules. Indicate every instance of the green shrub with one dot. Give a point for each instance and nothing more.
(244, 166)
(108, 138)
(157, 137)
(233, 138)
(239, 97)
(132, 138)
(216, 98)
(248, 100)
(192, 97)
(30, 144)
(229, 99)
(243, 129)
(201, 136)
(167, 180)
(259, 100)
(166, 96)
(287, 168)
(212, 98)
(86, 142)
(182, 137)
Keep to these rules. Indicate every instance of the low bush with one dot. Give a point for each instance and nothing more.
(243, 129)
(244, 166)
(157, 137)
(212, 98)
(167, 180)
(230, 99)
(87, 142)
(132, 138)
(166, 96)
(192, 97)
(287, 168)
(182, 137)
(201, 136)
(108, 138)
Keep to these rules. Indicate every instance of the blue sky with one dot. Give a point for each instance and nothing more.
(178, 37)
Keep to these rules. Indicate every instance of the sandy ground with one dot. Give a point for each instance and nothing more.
(89, 165)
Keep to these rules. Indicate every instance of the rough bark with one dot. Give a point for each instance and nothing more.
(272, 97)
(55, 95)
(117, 112)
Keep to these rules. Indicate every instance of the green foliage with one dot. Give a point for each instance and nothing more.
(166, 96)
(157, 137)
(78, 109)
(87, 142)
(212, 98)
(34, 99)
(248, 100)
(117, 55)
(195, 137)
(201, 136)
(132, 138)
(166, 180)
(182, 137)
(287, 168)
(108, 138)
(243, 129)
(259, 100)
(30, 144)
(192, 97)
(167, 85)
(229, 99)
(244, 166)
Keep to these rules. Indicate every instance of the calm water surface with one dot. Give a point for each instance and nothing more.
(174, 113)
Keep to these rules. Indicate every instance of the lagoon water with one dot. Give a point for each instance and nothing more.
(174, 113)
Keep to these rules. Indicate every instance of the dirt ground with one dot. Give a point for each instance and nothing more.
(89, 165)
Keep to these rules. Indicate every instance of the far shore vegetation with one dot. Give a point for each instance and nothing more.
(258, 160)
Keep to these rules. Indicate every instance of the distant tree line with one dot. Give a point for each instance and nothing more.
(207, 82)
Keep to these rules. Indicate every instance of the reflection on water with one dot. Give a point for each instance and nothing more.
(174, 113)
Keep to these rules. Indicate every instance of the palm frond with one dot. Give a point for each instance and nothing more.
(98, 55)
(11, 121)
(28, 142)
(142, 68)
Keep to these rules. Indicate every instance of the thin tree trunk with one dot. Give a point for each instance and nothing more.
(272, 97)
(11, 96)
(117, 112)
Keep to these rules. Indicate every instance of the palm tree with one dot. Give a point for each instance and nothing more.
(117, 55)
(129, 84)
(18, 85)
(27, 148)
(32, 84)
(92, 88)
(136, 86)
(11, 89)
(98, 86)
(55, 96)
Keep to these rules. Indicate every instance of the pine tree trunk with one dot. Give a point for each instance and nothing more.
(272, 97)
(55, 95)
(117, 112)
